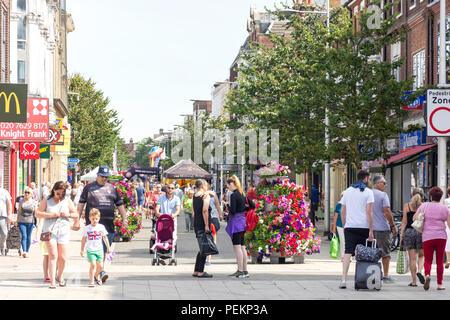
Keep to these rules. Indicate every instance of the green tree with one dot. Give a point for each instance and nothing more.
(141, 157)
(95, 126)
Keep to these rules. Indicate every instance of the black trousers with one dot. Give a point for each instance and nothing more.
(201, 259)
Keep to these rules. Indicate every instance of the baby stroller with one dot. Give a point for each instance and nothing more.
(163, 247)
(14, 240)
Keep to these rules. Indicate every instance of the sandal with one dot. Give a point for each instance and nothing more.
(441, 288)
(91, 285)
(421, 278)
(62, 283)
(205, 275)
(412, 285)
(52, 287)
(426, 286)
(99, 282)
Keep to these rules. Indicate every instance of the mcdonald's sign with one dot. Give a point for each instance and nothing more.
(13, 102)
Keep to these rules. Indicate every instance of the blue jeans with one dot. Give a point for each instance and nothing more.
(26, 229)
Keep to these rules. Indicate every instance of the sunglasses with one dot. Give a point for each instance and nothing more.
(59, 193)
(171, 188)
(26, 192)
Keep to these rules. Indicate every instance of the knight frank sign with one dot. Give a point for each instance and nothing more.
(35, 127)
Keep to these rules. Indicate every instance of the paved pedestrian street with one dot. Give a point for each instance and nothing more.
(132, 277)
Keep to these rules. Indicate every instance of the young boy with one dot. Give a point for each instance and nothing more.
(93, 235)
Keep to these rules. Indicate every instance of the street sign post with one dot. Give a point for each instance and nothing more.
(438, 112)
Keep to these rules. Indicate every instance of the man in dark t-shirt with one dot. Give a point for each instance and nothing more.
(103, 196)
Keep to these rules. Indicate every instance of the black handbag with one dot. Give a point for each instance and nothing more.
(368, 254)
(207, 245)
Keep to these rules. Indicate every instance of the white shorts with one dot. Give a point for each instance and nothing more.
(61, 239)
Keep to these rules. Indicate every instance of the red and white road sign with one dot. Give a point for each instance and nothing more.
(438, 112)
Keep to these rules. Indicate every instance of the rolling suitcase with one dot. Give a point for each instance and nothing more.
(14, 240)
(368, 275)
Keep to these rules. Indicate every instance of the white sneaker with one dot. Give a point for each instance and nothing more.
(342, 285)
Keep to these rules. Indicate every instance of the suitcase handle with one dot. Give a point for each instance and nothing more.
(374, 243)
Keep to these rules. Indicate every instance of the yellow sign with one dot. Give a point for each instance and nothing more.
(59, 123)
(8, 101)
(65, 136)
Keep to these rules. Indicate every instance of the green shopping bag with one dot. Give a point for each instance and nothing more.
(334, 247)
(402, 261)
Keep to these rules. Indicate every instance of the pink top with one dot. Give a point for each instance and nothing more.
(435, 221)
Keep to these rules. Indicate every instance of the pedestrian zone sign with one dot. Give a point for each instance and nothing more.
(75, 161)
(438, 112)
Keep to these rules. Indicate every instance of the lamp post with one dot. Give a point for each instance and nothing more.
(442, 141)
(327, 123)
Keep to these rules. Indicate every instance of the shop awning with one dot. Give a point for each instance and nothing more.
(407, 155)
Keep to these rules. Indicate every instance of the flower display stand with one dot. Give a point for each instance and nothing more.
(284, 233)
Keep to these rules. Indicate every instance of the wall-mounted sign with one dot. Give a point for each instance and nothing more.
(13, 103)
(44, 151)
(412, 139)
(54, 137)
(417, 104)
(65, 139)
(36, 126)
(29, 150)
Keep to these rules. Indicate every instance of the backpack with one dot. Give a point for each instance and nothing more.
(251, 217)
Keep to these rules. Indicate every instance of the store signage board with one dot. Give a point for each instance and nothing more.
(417, 104)
(34, 129)
(13, 103)
(44, 151)
(438, 112)
(29, 150)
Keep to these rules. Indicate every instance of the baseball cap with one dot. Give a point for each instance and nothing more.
(104, 171)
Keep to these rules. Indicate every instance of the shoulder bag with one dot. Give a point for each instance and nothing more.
(418, 223)
(46, 236)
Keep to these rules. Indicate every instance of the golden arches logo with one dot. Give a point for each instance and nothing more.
(8, 101)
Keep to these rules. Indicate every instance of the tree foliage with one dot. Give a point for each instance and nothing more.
(95, 126)
(317, 71)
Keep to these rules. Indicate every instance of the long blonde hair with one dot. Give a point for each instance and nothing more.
(416, 199)
(234, 179)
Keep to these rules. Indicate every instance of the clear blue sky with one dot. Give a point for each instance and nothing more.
(150, 57)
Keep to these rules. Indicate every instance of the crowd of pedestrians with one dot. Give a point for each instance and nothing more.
(364, 214)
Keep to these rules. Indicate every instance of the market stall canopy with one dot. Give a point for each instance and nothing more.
(186, 169)
(90, 176)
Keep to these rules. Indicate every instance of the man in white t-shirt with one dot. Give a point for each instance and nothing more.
(5, 218)
(357, 219)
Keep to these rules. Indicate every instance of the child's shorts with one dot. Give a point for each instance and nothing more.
(95, 256)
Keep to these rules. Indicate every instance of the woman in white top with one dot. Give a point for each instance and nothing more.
(56, 211)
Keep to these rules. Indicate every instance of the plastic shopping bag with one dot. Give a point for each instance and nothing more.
(334, 248)
(402, 261)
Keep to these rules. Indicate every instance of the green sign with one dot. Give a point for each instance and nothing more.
(44, 151)
(13, 102)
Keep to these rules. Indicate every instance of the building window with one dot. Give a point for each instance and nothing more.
(22, 29)
(398, 8)
(21, 71)
(395, 56)
(22, 5)
(412, 4)
(419, 69)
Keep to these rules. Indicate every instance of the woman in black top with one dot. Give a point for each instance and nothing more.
(202, 220)
(411, 238)
(237, 224)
